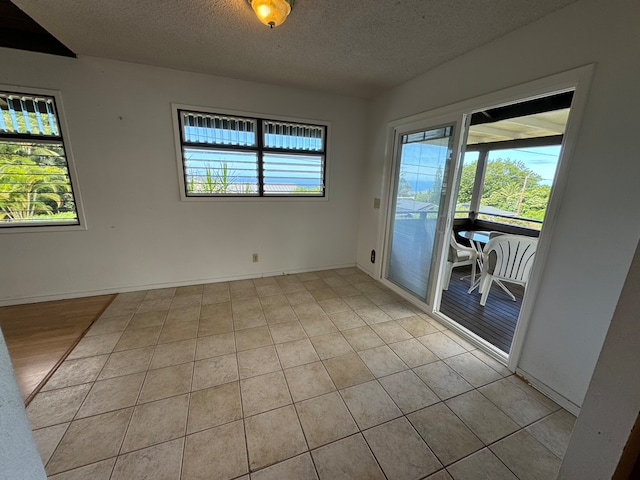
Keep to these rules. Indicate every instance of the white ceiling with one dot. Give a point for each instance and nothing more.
(353, 47)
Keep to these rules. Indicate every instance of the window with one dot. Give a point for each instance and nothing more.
(35, 181)
(467, 183)
(235, 156)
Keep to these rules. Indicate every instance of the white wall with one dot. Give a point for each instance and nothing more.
(19, 456)
(140, 233)
(599, 222)
(612, 403)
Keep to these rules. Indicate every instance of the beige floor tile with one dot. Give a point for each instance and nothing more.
(314, 284)
(138, 338)
(345, 459)
(219, 453)
(368, 287)
(492, 362)
(183, 314)
(287, 332)
(116, 310)
(391, 332)
(278, 300)
(369, 404)
(279, 314)
(210, 372)
(459, 340)
(90, 440)
(56, 406)
(333, 305)
(214, 406)
(413, 353)
(446, 435)
(146, 320)
(298, 468)
(381, 298)
(362, 338)
(264, 281)
(381, 361)
(105, 325)
(417, 326)
(166, 382)
(267, 290)
(185, 301)
(112, 394)
(155, 305)
(307, 381)
(336, 282)
(173, 353)
(554, 431)
(513, 401)
(263, 393)
(174, 332)
(95, 345)
(441, 475)
(273, 436)
(345, 291)
(297, 352)
(249, 319)
(526, 457)
(372, 315)
(325, 419)
(482, 465)
(245, 305)
(532, 392)
(331, 345)
(483, 418)
(347, 370)
(253, 338)
(217, 310)
(236, 285)
(156, 422)
(213, 298)
(322, 294)
(290, 284)
(397, 310)
(299, 297)
(442, 380)
(346, 320)
(156, 293)
(258, 361)
(441, 345)
(408, 391)
(127, 362)
(243, 293)
(401, 452)
(215, 345)
(159, 462)
(96, 471)
(215, 326)
(47, 440)
(358, 302)
(305, 311)
(320, 325)
(474, 371)
(76, 372)
(189, 290)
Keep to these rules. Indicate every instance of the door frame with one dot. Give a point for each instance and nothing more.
(397, 130)
(578, 80)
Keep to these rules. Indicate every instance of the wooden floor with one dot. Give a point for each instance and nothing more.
(40, 335)
(495, 322)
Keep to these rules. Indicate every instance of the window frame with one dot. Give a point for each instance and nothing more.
(177, 109)
(64, 139)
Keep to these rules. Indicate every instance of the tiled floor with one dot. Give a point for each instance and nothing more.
(319, 375)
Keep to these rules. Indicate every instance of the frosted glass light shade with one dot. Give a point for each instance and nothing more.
(272, 13)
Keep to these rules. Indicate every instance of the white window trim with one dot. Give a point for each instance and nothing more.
(178, 145)
(75, 184)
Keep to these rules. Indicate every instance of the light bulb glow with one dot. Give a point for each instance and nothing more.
(272, 13)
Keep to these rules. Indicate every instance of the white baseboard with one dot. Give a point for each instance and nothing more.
(4, 302)
(549, 392)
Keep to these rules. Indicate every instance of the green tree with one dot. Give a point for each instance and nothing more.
(28, 189)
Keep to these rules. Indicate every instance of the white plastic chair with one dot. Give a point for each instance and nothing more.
(507, 258)
(459, 256)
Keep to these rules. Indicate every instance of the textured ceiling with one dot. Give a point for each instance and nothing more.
(353, 47)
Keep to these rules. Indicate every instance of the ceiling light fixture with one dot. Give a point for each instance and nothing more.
(272, 13)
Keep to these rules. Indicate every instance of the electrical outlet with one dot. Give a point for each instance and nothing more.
(254, 257)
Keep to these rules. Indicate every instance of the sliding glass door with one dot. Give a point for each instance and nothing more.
(418, 207)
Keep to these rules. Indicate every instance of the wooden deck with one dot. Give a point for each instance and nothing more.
(495, 322)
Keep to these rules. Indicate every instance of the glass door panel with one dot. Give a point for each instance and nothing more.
(417, 208)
